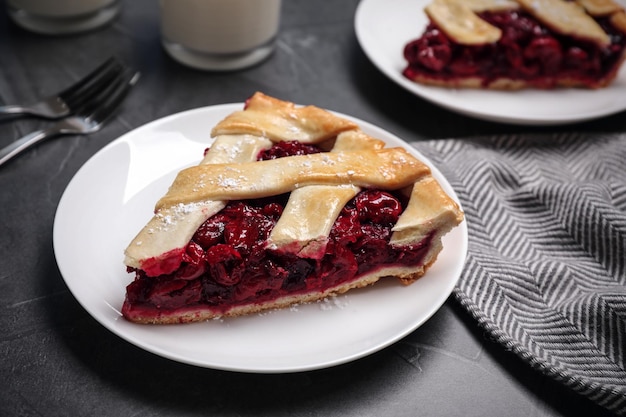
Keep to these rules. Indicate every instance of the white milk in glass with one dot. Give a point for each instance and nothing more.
(219, 34)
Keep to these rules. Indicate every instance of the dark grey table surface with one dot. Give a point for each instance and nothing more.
(56, 360)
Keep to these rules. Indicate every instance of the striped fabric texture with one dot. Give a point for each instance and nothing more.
(545, 274)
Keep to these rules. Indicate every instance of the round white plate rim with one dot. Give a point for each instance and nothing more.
(517, 110)
(107, 313)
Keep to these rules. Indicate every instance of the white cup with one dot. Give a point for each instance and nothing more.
(219, 34)
(57, 17)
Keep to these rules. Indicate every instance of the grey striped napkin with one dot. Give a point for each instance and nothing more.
(546, 271)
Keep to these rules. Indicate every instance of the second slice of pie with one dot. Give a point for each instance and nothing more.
(515, 44)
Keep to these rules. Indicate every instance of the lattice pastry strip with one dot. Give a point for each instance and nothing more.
(389, 168)
(600, 7)
(172, 227)
(297, 231)
(429, 210)
(460, 23)
(618, 19)
(279, 120)
(566, 18)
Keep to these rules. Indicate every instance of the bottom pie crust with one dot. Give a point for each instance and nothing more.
(510, 84)
(147, 315)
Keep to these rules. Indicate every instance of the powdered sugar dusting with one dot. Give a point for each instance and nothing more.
(227, 182)
(385, 173)
(333, 302)
(231, 152)
(172, 215)
(326, 160)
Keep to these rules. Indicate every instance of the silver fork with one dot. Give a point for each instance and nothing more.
(63, 103)
(89, 117)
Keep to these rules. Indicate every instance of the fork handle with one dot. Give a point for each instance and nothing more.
(11, 111)
(52, 108)
(24, 143)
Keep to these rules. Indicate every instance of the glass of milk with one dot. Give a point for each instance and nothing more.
(219, 35)
(58, 17)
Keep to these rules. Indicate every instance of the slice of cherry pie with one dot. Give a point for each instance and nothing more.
(515, 44)
(289, 205)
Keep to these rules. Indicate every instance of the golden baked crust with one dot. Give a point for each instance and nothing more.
(478, 6)
(459, 19)
(566, 18)
(277, 120)
(389, 168)
(618, 19)
(460, 23)
(600, 7)
(225, 174)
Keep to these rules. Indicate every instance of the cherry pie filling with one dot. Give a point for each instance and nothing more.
(526, 51)
(227, 262)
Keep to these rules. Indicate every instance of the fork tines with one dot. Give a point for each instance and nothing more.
(81, 92)
(100, 106)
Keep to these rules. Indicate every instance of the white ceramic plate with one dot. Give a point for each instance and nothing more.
(383, 27)
(112, 196)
